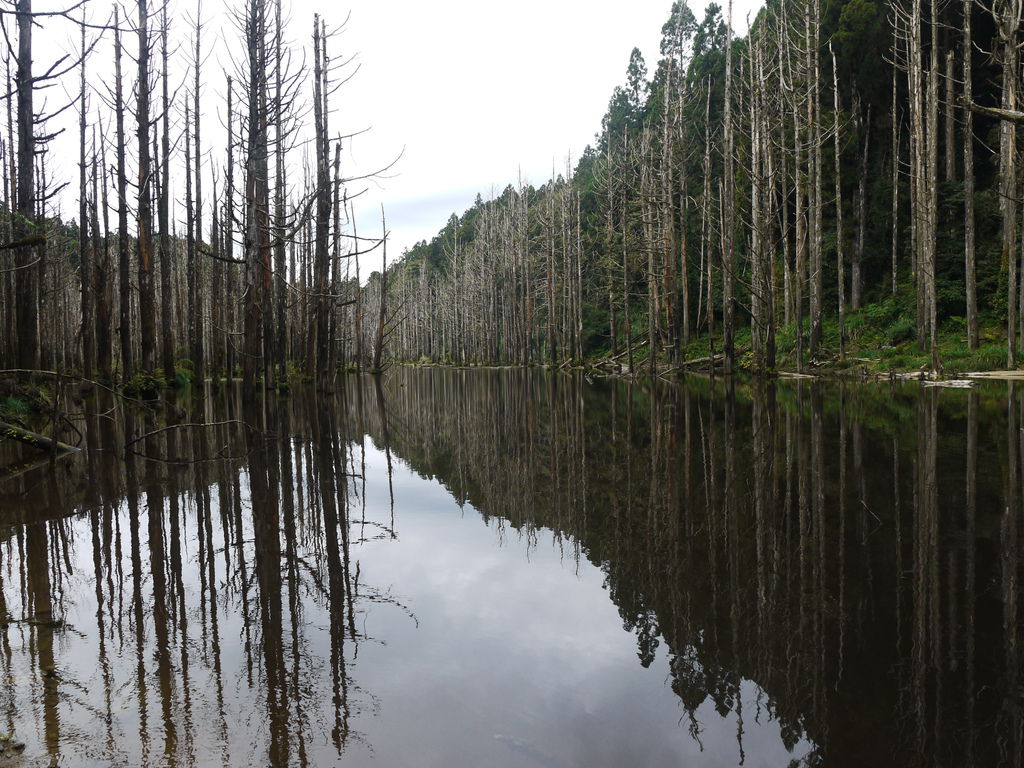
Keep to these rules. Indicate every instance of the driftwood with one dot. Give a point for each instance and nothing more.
(42, 442)
(795, 375)
(1010, 375)
(700, 361)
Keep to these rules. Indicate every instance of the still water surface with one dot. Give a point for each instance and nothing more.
(519, 569)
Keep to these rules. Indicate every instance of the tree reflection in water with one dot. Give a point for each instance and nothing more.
(852, 550)
(210, 554)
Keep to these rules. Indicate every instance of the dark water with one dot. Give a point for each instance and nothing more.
(499, 568)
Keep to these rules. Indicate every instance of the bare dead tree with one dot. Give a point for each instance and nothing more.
(144, 238)
(970, 281)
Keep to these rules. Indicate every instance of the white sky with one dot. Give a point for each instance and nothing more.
(475, 91)
(472, 92)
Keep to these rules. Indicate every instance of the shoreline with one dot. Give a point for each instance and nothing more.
(602, 368)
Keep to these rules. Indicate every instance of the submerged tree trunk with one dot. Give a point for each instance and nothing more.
(123, 251)
(257, 198)
(163, 212)
(26, 279)
(378, 344)
(198, 348)
(841, 277)
(324, 198)
(147, 302)
(1008, 17)
(84, 252)
(729, 261)
(970, 283)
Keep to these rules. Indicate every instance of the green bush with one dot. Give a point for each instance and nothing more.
(13, 407)
(901, 331)
(145, 383)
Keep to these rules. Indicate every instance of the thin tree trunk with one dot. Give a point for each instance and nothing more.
(147, 303)
(378, 344)
(1007, 23)
(950, 145)
(729, 261)
(323, 204)
(257, 200)
(27, 275)
(931, 184)
(123, 253)
(84, 253)
(102, 260)
(163, 211)
(198, 348)
(229, 238)
(841, 277)
(816, 201)
(856, 275)
(970, 286)
(191, 265)
(896, 123)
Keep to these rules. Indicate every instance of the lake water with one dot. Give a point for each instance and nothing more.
(520, 569)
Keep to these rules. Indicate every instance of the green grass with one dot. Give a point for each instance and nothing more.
(880, 338)
(12, 407)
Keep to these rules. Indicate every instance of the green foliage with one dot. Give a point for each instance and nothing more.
(294, 375)
(901, 331)
(145, 384)
(860, 24)
(13, 407)
(959, 358)
(184, 372)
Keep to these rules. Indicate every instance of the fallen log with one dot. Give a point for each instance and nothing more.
(42, 442)
(700, 361)
(638, 343)
(1009, 115)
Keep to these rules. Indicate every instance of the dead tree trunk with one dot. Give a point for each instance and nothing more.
(321, 263)
(970, 283)
(27, 275)
(163, 213)
(728, 235)
(257, 197)
(840, 277)
(123, 253)
(280, 187)
(199, 326)
(1007, 15)
(147, 303)
(856, 275)
(101, 258)
(378, 344)
(84, 252)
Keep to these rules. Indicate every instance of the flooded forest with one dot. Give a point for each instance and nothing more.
(656, 464)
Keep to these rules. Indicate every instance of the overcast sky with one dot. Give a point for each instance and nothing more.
(470, 93)
(476, 91)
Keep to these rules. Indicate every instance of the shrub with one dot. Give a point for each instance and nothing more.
(902, 330)
(144, 384)
(13, 407)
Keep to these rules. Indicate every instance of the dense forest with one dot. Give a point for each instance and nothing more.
(159, 277)
(841, 182)
(842, 178)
